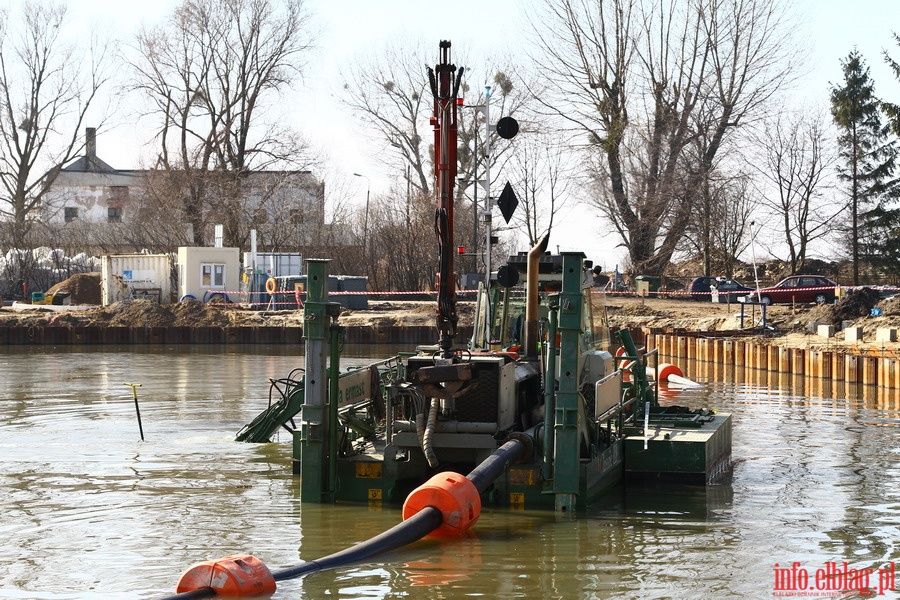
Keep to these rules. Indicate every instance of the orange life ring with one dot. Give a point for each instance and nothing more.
(271, 285)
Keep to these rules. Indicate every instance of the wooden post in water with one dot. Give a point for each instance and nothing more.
(826, 360)
(851, 368)
(887, 374)
(869, 370)
(763, 356)
(137, 409)
(784, 360)
(797, 365)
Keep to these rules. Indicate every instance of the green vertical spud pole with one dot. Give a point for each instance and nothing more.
(550, 393)
(311, 439)
(334, 375)
(566, 414)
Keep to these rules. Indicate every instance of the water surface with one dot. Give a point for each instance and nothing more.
(91, 511)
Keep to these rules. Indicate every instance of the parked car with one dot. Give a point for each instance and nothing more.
(701, 288)
(729, 290)
(796, 288)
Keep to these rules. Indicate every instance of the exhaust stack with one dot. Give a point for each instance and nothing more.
(532, 316)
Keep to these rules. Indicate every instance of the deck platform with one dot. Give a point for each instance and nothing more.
(690, 450)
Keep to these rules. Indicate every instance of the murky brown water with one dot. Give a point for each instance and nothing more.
(90, 511)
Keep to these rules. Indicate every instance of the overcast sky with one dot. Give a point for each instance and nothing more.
(830, 29)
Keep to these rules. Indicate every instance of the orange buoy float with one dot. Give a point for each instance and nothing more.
(624, 365)
(271, 285)
(237, 575)
(451, 493)
(664, 370)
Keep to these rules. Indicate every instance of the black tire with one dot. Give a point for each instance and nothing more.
(765, 300)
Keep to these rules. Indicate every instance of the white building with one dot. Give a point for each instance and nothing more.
(90, 190)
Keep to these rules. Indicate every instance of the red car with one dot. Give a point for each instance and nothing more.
(796, 289)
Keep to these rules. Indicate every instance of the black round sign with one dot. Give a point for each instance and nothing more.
(507, 128)
(507, 276)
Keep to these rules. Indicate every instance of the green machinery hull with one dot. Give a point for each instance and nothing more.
(375, 433)
(372, 479)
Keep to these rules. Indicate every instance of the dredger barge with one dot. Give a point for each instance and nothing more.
(535, 411)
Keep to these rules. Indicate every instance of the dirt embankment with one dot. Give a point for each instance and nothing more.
(787, 325)
(792, 326)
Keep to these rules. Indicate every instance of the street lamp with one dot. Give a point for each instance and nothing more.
(366, 218)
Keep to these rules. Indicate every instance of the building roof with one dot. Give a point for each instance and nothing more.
(89, 164)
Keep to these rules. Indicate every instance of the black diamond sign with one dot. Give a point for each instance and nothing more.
(507, 202)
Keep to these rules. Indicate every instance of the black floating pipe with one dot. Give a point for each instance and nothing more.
(497, 463)
(206, 592)
(406, 532)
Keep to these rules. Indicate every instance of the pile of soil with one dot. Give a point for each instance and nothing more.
(142, 313)
(146, 313)
(634, 309)
(851, 307)
(83, 288)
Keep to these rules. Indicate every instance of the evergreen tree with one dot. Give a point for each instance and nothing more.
(868, 156)
(886, 217)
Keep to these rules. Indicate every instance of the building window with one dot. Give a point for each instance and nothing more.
(114, 214)
(118, 194)
(296, 216)
(70, 213)
(212, 275)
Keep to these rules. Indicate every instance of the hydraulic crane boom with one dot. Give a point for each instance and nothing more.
(445, 81)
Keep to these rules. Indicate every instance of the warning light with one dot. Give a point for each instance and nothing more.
(459, 102)
(460, 250)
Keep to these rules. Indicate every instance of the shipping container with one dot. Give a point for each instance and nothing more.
(346, 290)
(274, 264)
(135, 276)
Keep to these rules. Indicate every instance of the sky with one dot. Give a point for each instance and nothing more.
(828, 29)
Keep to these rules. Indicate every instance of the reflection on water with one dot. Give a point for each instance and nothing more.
(90, 511)
(872, 396)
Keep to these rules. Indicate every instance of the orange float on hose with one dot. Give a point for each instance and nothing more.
(624, 365)
(237, 575)
(271, 285)
(665, 369)
(454, 495)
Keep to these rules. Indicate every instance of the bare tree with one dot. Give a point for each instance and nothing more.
(46, 88)
(543, 178)
(213, 74)
(797, 158)
(719, 227)
(406, 250)
(389, 90)
(641, 82)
